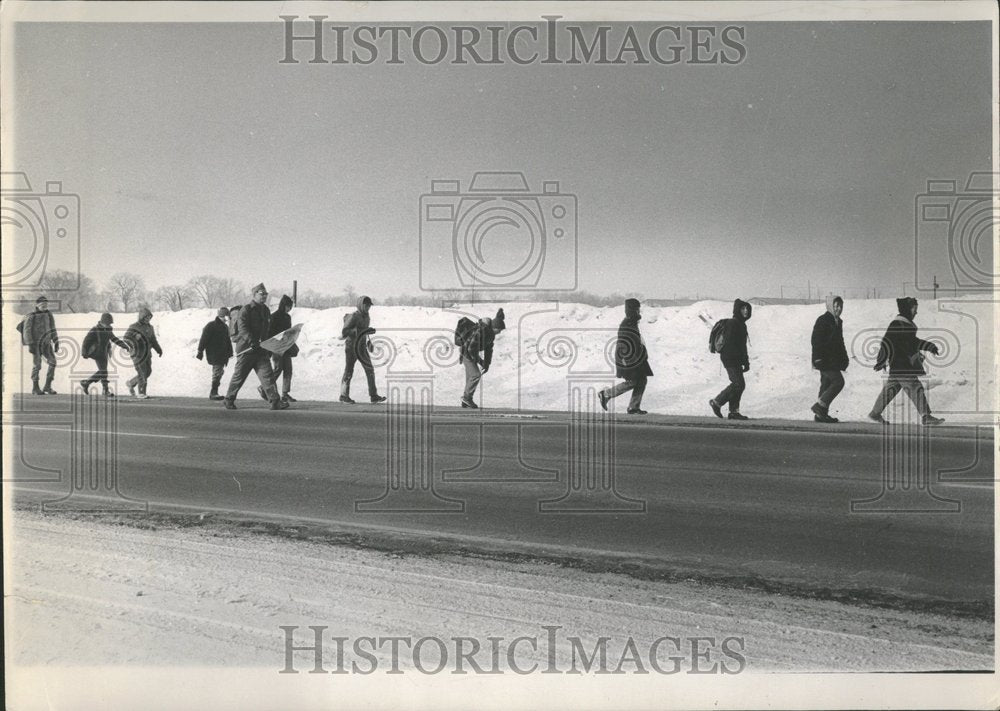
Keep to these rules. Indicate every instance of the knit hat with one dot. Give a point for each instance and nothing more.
(286, 300)
(632, 304)
(259, 287)
(498, 321)
(107, 318)
(223, 312)
(41, 300)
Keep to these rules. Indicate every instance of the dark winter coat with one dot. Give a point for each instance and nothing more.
(215, 341)
(141, 338)
(900, 348)
(98, 341)
(254, 326)
(356, 327)
(734, 348)
(281, 320)
(479, 338)
(631, 358)
(828, 350)
(37, 328)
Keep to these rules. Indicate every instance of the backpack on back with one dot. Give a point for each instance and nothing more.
(90, 342)
(717, 338)
(234, 324)
(464, 327)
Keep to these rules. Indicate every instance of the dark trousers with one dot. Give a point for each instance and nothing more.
(102, 373)
(282, 365)
(831, 382)
(354, 357)
(143, 369)
(40, 352)
(913, 387)
(637, 386)
(217, 371)
(472, 377)
(734, 391)
(253, 360)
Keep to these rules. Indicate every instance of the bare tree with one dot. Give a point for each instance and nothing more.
(174, 297)
(205, 290)
(74, 292)
(231, 292)
(128, 288)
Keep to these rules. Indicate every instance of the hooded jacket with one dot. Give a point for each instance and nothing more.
(357, 328)
(828, 349)
(281, 320)
(38, 327)
(734, 348)
(141, 338)
(900, 347)
(479, 339)
(215, 341)
(631, 357)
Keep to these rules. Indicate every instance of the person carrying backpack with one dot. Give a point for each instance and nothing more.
(38, 333)
(631, 361)
(829, 357)
(473, 338)
(253, 322)
(357, 329)
(215, 341)
(900, 351)
(141, 340)
(735, 359)
(97, 347)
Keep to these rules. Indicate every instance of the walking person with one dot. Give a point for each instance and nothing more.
(631, 361)
(901, 352)
(735, 360)
(829, 357)
(215, 341)
(357, 347)
(252, 325)
(141, 340)
(281, 320)
(473, 338)
(38, 333)
(97, 347)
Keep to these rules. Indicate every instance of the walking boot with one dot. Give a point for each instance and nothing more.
(214, 394)
(737, 416)
(35, 390)
(279, 404)
(47, 390)
(716, 408)
(287, 397)
(85, 384)
(348, 400)
(230, 403)
(931, 420)
(376, 399)
(262, 392)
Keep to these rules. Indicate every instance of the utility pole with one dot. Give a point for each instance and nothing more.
(935, 286)
(295, 291)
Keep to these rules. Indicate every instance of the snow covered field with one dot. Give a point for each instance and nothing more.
(551, 350)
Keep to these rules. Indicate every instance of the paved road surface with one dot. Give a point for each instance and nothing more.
(767, 501)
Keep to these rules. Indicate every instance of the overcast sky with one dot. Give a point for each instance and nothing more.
(194, 151)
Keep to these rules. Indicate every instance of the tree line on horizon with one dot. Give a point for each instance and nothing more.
(124, 292)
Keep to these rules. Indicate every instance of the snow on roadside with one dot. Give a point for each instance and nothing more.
(87, 591)
(549, 348)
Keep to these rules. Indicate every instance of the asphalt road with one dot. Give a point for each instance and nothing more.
(766, 502)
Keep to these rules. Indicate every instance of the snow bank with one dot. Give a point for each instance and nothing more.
(552, 353)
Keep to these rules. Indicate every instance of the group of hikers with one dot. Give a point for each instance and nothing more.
(249, 325)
